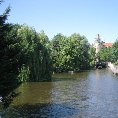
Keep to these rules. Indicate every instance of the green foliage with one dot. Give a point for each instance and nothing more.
(24, 74)
(9, 56)
(109, 54)
(11, 59)
(115, 51)
(70, 53)
(92, 56)
(105, 54)
(22, 56)
(116, 63)
(36, 55)
(44, 40)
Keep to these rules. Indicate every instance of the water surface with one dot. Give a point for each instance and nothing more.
(90, 94)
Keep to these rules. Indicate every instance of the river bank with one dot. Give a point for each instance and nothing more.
(113, 67)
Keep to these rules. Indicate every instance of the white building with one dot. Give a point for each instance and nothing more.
(98, 44)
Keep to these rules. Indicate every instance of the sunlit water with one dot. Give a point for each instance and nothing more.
(90, 94)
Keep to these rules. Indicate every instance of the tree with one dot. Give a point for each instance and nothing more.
(9, 58)
(105, 54)
(22, 56)
(38, 63)
(115, 52)
(8, 80)
(70, 53)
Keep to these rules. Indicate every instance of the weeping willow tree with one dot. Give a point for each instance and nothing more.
(37, 64)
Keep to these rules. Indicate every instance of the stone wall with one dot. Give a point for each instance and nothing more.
(113, 68)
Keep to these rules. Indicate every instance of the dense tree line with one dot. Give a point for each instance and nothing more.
(70, 53)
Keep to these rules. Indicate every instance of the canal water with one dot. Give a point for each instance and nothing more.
(90, 94)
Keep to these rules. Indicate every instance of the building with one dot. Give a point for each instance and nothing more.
(108, 44)
(98, 44)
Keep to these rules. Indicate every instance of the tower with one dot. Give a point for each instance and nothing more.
(98, 38)
(98, 44)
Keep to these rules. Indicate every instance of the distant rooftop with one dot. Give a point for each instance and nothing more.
(108, 44)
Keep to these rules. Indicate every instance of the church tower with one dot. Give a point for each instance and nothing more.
(98, 44)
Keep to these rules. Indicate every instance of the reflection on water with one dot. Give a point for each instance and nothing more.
(34, 92)
(90, 94)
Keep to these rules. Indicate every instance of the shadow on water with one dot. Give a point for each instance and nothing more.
(41, 111)
(7, 100)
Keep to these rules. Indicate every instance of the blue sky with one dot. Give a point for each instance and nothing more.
(86, 17)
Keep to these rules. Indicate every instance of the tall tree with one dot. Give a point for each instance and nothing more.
(70, 53)
(38, 62)
(9, 58)
(4, 45)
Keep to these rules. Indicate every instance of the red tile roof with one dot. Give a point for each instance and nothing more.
(108, 44)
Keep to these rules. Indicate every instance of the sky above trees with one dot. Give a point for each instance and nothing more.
(87, 17)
